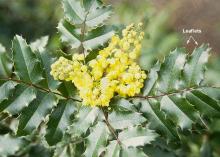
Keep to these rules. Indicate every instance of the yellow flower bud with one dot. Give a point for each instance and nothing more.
(140, 24)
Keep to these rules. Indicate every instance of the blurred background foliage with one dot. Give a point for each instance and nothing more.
(164, 21)
(30, 18)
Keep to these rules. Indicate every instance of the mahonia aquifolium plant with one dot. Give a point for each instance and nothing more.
(126, 109)
(114, 70)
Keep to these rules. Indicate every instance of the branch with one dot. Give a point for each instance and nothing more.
(172, 93)
(111, 129)
(83, 30)
(39, 87)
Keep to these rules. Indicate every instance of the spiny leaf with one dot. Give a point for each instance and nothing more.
(39, 150)
(180, 110)
(47, 59)
(136, 136)
(27, 66)
(98, 36)
(121, 120)
(59, 120)
(128, 152)
(156, 151)
(151, 81)
(123, 105)
(96, 141)
(39, 44)
(212, 92)
(67, 147)
(194, 68)
(98, 14)
(113, 149)
(5, 63)
(74, 11)
(170, 71)
(173, 98)
(69, 34)
(35, 113)
(9, 145)
(85, 118)
(92, 13)
(21, 98)
(91, 40)
(157, 119)
(68, 89)
(65, 151)
(202, 102)
(61, 151)
(6, 90)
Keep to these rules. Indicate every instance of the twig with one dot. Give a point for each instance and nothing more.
(38, 87)
(83, 29)
(172, 93)
(111, 129)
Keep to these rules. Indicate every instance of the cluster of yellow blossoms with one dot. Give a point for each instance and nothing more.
(113, 71)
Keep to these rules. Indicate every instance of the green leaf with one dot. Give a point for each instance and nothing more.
(39, 151)
(121, 120)
(6, 90)
(85, 118)
(27, 66)
(97, 140)
(65, 151)
(62, 151)
(83, 24)
(47, 59)
(181, 111)
(6, 64)
(59, 120)
(123, 105)
(98, 37)
(9, 145)
(69, 34)
(136, 136)
(157, 119)
(74, 11)
(128, 152)
(156, 151)
(68, 89)
(72, 35)
(113, 149)
(151, 81)
(35, 113)
(21, 98)
(202, 102)
(194, 68)
(68, 147)
(91, 13)
(97, 14)
(39, 44)
(173, 96)
(170, 71)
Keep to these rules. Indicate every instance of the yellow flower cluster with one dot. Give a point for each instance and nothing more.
(113, 71)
